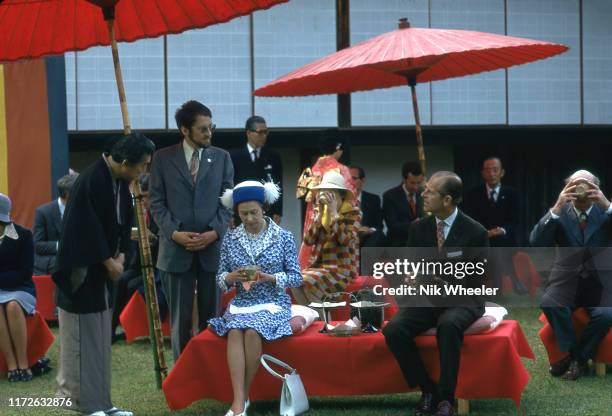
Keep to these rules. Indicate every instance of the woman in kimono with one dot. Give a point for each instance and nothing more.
(17, 293)
(259, 259)
(333, 240)
(332, 148)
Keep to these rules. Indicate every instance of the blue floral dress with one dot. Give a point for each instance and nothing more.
(274, 251)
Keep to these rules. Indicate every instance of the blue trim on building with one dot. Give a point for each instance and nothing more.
(58, 122)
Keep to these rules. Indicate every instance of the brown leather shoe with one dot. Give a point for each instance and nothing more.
(445, 408)
(560, 367)
(575, 371)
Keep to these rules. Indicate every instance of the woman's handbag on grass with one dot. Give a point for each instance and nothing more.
(293, 399)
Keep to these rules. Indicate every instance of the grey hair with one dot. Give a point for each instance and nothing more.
(452, 185)
(64, 184)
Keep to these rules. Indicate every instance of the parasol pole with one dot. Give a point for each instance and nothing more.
(417, 123)
(109, 17)
(411, 77)
(147, 270)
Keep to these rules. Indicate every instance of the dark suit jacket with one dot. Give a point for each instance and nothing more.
(371, 217)
(398, 216)
(177, 204)
(91, 233)
(47, 231)
(268, 167)
(467, 241)
(503, 213)
(587, 267)
(371, 210)
(16, 260)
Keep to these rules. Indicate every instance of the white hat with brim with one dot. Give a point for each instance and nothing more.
(332, 180)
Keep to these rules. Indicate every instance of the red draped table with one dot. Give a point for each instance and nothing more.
(40, 338)
(491, 366)
(45, 304)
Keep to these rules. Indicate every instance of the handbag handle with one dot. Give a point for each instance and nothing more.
(276, 361)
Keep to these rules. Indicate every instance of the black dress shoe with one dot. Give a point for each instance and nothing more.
(560, 367)
(41, 367)
(427, 405)
(118, 337)
(575, 371)
(445, 408)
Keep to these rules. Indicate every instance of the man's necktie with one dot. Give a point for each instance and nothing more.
(492, 197)
(254, 158)
(582, 220)
(194, 164)
(440, 233)
(412, 204)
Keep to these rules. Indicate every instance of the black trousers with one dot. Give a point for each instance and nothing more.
(560, 318)
(401, 331)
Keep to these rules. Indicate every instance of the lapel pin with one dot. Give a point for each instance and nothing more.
(209, 160)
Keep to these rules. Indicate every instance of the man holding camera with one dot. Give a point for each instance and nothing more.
(580, 218)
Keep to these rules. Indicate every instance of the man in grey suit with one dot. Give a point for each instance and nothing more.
(187, 180)
(580, 224)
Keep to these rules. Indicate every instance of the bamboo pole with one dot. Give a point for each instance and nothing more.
(147, 270)
(127, 128)
(155, 331)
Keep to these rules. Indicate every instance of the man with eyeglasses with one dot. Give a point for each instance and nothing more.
(257, 162)
(186, 182)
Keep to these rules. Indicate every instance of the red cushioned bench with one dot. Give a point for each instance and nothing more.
(491, 366)
(45, 302)
(580, 318)
(40, 339)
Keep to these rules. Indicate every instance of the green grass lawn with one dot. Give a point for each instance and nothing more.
(134, 388)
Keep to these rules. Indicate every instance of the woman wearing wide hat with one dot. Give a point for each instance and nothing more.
(332, 238)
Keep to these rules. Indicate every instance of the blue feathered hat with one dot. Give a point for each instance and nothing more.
(266, 193)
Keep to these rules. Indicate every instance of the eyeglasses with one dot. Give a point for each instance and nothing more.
(263, 132)
(208, 129)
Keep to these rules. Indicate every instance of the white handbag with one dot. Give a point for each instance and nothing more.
(294, 400)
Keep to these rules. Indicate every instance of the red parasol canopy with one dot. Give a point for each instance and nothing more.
(406, 56)
(391, 59)
(34, 28)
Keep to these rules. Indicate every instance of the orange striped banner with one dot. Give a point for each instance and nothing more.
(25, 149)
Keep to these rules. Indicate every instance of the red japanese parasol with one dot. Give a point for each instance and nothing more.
(34, 28)
(408, 56)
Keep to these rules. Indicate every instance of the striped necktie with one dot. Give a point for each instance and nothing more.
(440, 233)
(194, 164)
